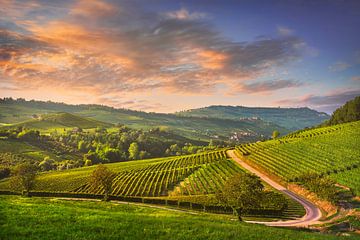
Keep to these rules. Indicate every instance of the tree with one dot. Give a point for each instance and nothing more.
(47, 164)
(275, 134)
(24, 178)
(241, 192)
(143, 154)
(4, 172)
(29, 135)
(349, 112)
(134, 151)
(103, 178)
(82, 146)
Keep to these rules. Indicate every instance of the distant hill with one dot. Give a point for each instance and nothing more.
(349, 112)
(290, 118)
(60, 120)
(199, 128)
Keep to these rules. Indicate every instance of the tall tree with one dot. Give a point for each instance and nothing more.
(24, 178)
(134, 151)
(241, 192)
(102, 177)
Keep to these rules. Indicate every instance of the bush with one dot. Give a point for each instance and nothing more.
(4, 172)
(324, 187)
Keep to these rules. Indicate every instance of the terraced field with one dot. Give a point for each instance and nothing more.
(330, 150)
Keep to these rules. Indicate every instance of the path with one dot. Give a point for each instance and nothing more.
(313, 213)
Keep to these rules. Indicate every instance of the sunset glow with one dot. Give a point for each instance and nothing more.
(167, 56)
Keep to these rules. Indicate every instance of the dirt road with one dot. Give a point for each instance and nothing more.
(313, 213)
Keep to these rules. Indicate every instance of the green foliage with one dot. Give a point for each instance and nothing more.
(47, 164)
(324, 187)
(241, 192)
(347, 113)
(102, 178)
(29, 135)
(134, 151)
(275, 134)
(24, 177)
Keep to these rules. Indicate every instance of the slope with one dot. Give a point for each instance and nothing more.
(59, 120)
(62, 219)
(290, 118)
(189, 181)
(332, 151)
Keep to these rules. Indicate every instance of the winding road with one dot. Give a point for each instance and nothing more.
(313, 213)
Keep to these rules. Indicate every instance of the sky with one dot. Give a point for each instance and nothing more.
(167, 56)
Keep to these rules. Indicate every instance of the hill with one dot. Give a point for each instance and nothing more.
(47, 122)
(187, 181)
(290, 118)
(15, 111)
(349, 112)
(328, 151)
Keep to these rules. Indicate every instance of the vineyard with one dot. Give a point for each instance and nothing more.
(330, 151)
(183, 180)
(160, 178)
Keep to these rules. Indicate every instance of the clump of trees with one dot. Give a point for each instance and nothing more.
(4, 172)
(347, 113)
(242, 192)
(85, 148)
(24, 178)
(322, 186)
(103, 178)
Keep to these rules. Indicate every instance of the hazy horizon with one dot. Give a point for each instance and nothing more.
(214, 105)
(168, 56)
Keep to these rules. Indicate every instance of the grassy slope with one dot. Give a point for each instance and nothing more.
(189, 127)
(42, 218)
(49, 122)
(290, 118)
(330, 150)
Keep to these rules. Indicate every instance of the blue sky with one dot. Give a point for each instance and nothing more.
(167, 56)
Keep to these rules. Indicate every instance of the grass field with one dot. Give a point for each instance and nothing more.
(50, 218)
(330, 151)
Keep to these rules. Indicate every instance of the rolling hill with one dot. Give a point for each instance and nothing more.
(190, 181)
(289, 118)
(328, 151)
(60, 120)
(15, 111)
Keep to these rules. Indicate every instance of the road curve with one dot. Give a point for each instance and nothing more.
(313, 213)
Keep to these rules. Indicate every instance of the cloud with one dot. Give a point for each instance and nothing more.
(184, 14)
(327, 103)
(355, 78)
(93, 8)
(269, 86)
(99, 48)
(339, 66)
(284, 31)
